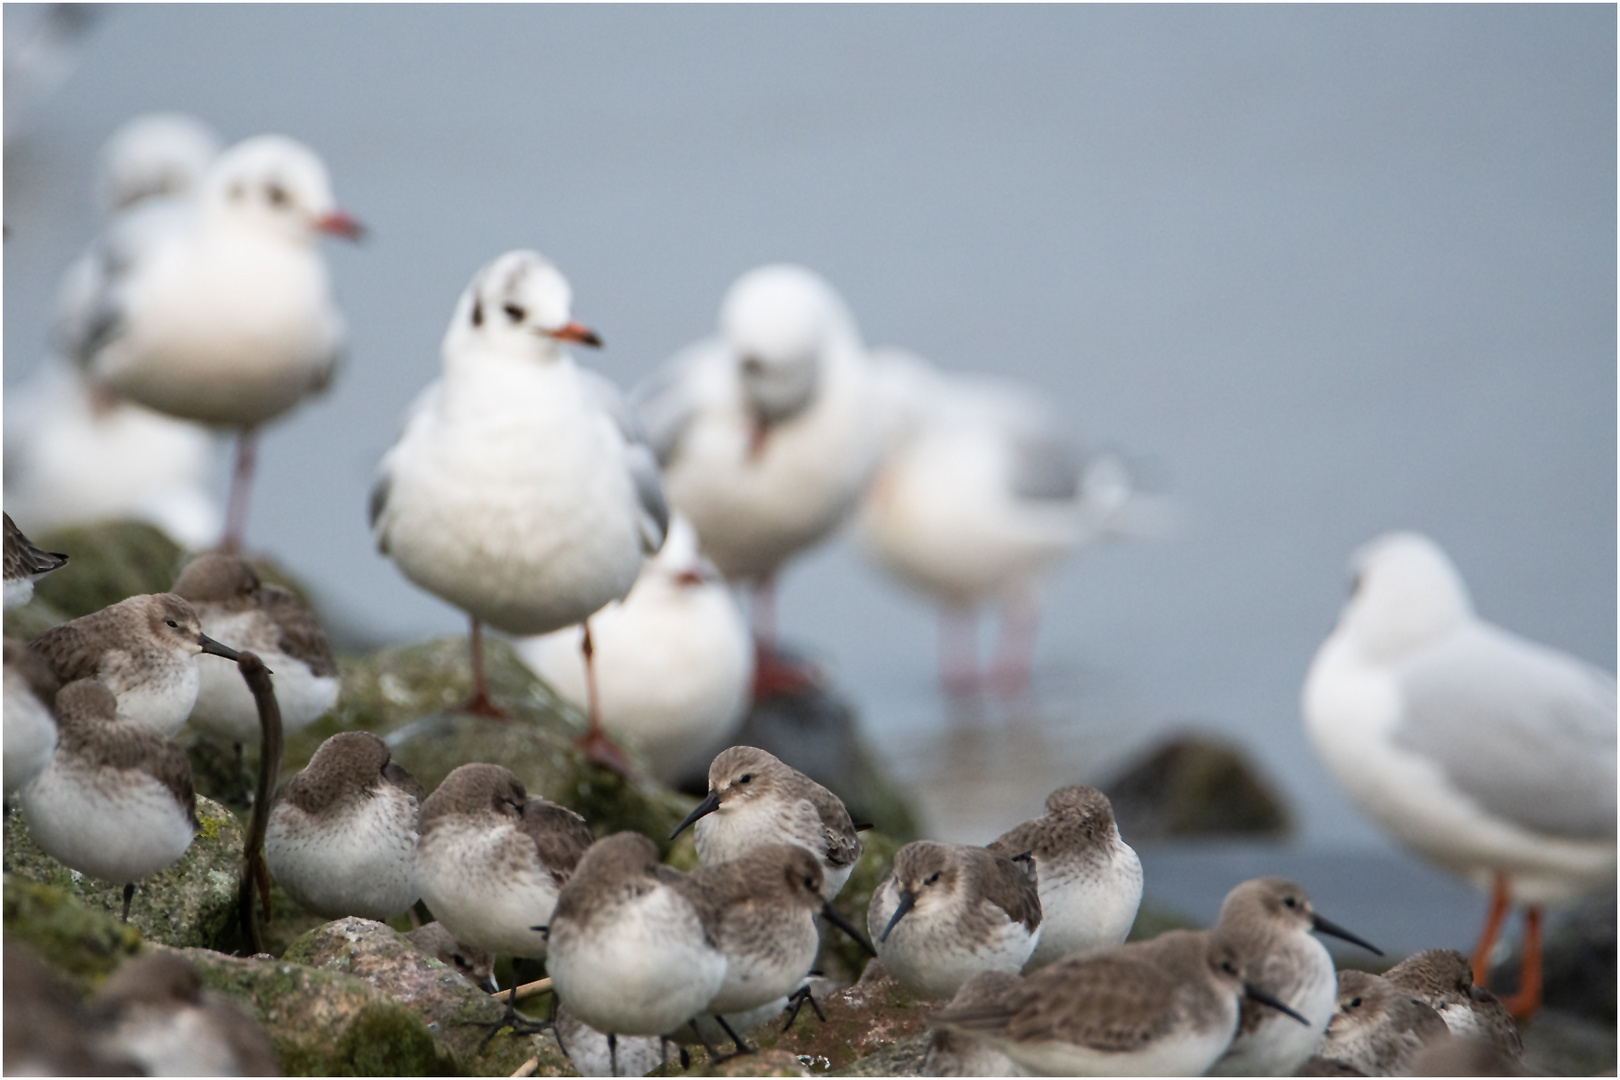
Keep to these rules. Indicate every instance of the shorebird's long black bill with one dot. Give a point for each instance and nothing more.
(1323, 926)
(844, 925)
(1254, 993)
(710, 803)
(908, 900)
(209, 645)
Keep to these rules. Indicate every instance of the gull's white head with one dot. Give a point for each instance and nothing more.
(1406, 596)
(278, 185)
(154, 155)
(519, 304)
(679, 561)
(778, 320)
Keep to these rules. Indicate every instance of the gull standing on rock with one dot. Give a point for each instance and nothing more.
(756, 799)
(1165, 1007)
(1090, 880)
(224, 315)
(673, 660)
(521, 490)
(945, 912)
(1269, 921)
(236, 608)
(1487, 754)
(144, 649)
(342, 835)
(116, 801)
(767, 433)
(25, 564)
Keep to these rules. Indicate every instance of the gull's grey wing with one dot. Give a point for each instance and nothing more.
(666, 402)
(1523, 730)
(1045, 466)
(639, 457)
(89, 309)
(377, 503)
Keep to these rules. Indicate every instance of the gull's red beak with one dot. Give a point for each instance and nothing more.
(337, 223)
(574, 332)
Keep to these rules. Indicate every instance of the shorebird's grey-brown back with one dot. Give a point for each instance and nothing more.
(1443, 979)
(1378, 1027)
(24, 564)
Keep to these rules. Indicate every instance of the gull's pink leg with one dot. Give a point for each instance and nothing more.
(595, 742)
(959, 651)
(1015, 652)
(247, 446)
(480, 703)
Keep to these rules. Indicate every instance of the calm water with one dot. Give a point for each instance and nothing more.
(1324, 271)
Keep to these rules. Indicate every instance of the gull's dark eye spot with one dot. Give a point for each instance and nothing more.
(753, 365)
(172, 623)
(478, 313)
(745, 778)
(514, 312)
(276, 194)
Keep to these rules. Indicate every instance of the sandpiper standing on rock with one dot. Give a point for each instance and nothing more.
(629, 952)
(521, 490)
(116, 801)
(945, 912)
(342, 836)
(24, 565)
(1165, 1007)
(1269, 921)
(755, 798)
(144, 649)
(1090, 880)
(236, 608)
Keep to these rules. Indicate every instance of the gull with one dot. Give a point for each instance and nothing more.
(221, 312)
(1487, 754)
(673, 660)
(980, 493)
(521, 490)
(766, 433)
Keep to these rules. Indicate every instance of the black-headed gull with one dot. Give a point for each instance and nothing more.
(767, 432)
(673, 660)
(979, 494)
(223, 313)
(1487, 754)
(521, 490)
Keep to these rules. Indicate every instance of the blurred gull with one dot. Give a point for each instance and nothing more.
(979, 494)
(220, 311)
(1490, 755)
(520, 490)
(673, 659)
(765, 433)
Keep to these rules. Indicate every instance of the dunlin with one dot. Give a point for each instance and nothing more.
(756, 799)
(24, 565)
(1378, 1027)
(224, 315)
(143, 649)
(521, 490)
(116, 800)
(236, 608)
(1163, 1007)
(491, 858)
(945, 912)
(30, 725)
(1269, 921)
(629, 952)
(1489, 755)
(1443, 980)
(158, 1015)
(342, 835)
(760, 909)
(673, 661)
(955, 1053)
(1090, 880)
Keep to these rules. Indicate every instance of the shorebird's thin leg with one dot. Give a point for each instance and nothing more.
(613, 1054)
(595, 742)
(741, 1047)
(714, 1052)
(1015, 652)
(520, 1025)
(798, 998)
(129, 894)
(247, 446)
(1524, 1002)
(958, 651)
(480, 703)
(1487, 936)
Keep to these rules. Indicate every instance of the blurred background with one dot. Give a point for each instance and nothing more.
(1319, 272)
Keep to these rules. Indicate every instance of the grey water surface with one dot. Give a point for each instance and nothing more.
(1321, 271)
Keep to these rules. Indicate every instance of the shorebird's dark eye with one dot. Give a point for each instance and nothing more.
(810, 883)
(932, 878)
(745, 778)
(172, 623)
(514, 312)
(1355, 1003)
(1289, 902)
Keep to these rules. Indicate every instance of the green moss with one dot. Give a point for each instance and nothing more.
(387, 1040)
(84, 944)
(840, 958)
(107, 562)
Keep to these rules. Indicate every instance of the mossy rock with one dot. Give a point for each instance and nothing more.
(903, 1057)
(1194, 785)
(82, 943)
(458, 1014)
(841, 959)
(192, 903)
(107, 562)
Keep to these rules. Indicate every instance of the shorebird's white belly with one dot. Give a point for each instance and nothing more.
(488, 897)
(363, 863)
(156, 693)
(225, 708)
(756, 977)
(929, 952)
(1090, 904)
(1179, 1053)
(1301, 976)
(30, 733)
(739, 827)
(117, 825)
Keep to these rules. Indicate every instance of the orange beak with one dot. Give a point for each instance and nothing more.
(576, 333)
(337, 223)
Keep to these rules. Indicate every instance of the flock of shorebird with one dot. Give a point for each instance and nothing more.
(525, 490)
